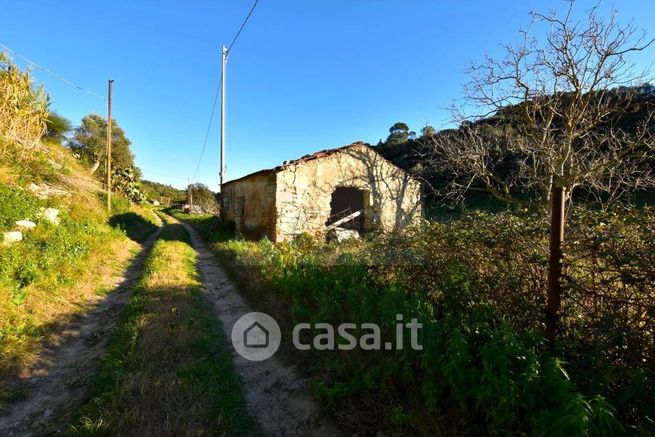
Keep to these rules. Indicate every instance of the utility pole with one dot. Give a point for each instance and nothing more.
(189, 194)
(109, 83)
(222, 170)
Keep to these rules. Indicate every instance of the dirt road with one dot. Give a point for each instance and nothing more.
(276, 396)
(56, 384)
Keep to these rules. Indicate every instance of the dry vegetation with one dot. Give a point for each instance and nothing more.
(23, 109)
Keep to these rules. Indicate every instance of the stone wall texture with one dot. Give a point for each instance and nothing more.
(295, 198)
(250, 203)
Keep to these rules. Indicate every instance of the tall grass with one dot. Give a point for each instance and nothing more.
(23, 108)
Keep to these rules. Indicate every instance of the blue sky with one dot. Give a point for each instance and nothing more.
(304, 75)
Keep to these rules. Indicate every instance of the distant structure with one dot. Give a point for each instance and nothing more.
(349, 187)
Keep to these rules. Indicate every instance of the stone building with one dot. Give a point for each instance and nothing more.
(352, 187)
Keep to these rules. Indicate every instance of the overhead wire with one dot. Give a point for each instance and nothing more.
(52, 73)
(211, 118)
(242, 26)
(209, 126)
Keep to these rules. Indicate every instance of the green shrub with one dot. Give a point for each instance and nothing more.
(503, 381)
(126, 181)
(47, 253)
(478, 286)
(609, 278)
(16, 205)
(119, 204)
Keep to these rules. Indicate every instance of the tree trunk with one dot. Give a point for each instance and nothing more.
(95, 167)
(554, 297)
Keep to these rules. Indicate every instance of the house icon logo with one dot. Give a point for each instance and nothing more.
(256, 336)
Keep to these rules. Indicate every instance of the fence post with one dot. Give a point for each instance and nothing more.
(554, 297)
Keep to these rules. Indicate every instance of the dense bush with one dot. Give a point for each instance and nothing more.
(478, 286)
(126, 181)
(204, 197)
(607, 325)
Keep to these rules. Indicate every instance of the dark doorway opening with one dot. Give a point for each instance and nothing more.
(345, 201)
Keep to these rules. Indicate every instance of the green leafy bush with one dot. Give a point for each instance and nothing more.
(126, 181)
(607, 324)
(478, 286)
(46, 252)
(16, 205)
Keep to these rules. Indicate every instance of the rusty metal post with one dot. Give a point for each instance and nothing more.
(109, 145)
(554, 297)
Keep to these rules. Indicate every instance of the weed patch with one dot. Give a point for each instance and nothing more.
(475, 285)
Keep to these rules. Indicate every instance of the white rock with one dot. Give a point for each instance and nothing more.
(155, 202)
(11, 237)
(193, 209)
(25, 224)
(342, 234)
(52, 215)
(44, 191)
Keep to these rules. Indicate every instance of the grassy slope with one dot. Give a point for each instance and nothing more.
(56, 271)
(167, 346)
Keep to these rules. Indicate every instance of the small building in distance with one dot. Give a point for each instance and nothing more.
(351, 186)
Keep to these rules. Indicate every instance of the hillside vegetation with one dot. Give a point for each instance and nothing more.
(418, 154)
(486, 366)
(69, 254)
(155, 191)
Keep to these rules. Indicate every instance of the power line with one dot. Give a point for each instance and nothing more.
(211, 117)
(209, 126)
(52, 73)
(242, 26)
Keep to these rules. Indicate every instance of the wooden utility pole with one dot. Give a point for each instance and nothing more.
(555, 265)
(109, 83)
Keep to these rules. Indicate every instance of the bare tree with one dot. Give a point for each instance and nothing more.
(550, 119)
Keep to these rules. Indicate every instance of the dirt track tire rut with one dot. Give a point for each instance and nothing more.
(277, 396)
(57, 383)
